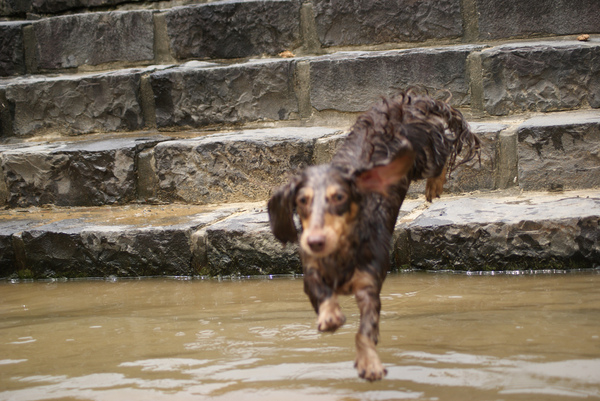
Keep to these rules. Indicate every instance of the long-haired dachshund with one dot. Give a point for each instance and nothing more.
(348, 208)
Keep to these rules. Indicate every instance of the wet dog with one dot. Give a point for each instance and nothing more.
(348, 208)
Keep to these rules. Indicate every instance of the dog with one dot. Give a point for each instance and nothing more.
(348, 208)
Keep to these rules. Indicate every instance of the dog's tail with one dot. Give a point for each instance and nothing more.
(445, 124)
(438, 133)
(435, 132)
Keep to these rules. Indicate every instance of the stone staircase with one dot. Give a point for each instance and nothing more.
(142, 138)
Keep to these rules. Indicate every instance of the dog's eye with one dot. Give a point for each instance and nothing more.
(302, 200)
(338, 198)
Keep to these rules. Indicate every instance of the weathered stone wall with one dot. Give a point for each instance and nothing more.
(72, 105)
(115, 67)
(196, 97)
(358, 22)
(235, 29)
(560, 152)
(540, 77)
(94, 39)
(504, 234)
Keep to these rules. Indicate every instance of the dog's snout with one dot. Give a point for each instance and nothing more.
(316, 242)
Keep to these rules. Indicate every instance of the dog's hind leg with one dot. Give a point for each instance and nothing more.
(368, 364)
(435, 186)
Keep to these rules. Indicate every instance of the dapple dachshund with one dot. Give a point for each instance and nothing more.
(348, 208)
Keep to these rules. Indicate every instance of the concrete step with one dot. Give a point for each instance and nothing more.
(500, 231)
(147, 32)
(520, 77)
(554, 151)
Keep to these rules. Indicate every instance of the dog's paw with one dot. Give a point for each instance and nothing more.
(435, 186)
(370, 367)
(330, 317)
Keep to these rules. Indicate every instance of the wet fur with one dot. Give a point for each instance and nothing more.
(348, 208)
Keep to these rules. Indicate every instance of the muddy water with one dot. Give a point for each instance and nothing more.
(443, 337)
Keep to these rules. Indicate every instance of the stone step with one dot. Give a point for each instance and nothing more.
(554, 151)
(149, 32)
(101, 40)
(520, 77)
(22, 8)
(501, 231)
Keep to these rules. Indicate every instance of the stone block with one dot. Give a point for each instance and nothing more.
(140, 241)
(10, 227)
(235, 167)
(478, 174)
(515, 18)
(506, 234)
(94, 38)
(73, 174)
(207, 95)
(352, 81)
(234, 29)
(540, 76)
(12, 56)
(360, 22)
(326, 147)
(74, 105)
(10, 8)
(21, 7)
(243, 245)
(560, 151)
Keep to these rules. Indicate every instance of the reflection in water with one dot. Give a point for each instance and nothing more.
(443, 337)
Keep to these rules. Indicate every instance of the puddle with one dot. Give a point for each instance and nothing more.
(443, 337)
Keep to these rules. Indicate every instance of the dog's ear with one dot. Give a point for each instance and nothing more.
(281, 211)
(380, 178)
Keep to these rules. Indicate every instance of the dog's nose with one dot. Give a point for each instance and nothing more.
(316, 242)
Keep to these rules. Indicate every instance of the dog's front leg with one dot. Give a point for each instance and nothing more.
(368, 364)
(324, 301)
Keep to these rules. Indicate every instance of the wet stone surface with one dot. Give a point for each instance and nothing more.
(244, 245)
(532, 231)
(93, 39)
(12, 57)
(233, 29)
(352, 81)
(500, 234)
(540, 76)
(560, 151)
(8, 257)
(74, 105)
(207, 95)
(80, 173)
(236, 167)
(20, 7)
(508, 18)
(131, 242)
(343, 23)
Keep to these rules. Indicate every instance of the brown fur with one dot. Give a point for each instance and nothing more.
(348, 208)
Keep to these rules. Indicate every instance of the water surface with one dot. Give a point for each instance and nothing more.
(443, 337)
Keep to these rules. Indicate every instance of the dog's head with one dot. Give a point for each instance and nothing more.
(327, 201)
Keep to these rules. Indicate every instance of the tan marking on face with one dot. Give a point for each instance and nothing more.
(335, 195)
(335, 229)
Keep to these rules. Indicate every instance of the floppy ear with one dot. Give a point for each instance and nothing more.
(281, 212)
(380, 178)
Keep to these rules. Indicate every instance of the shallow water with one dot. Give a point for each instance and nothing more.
(443, 337)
